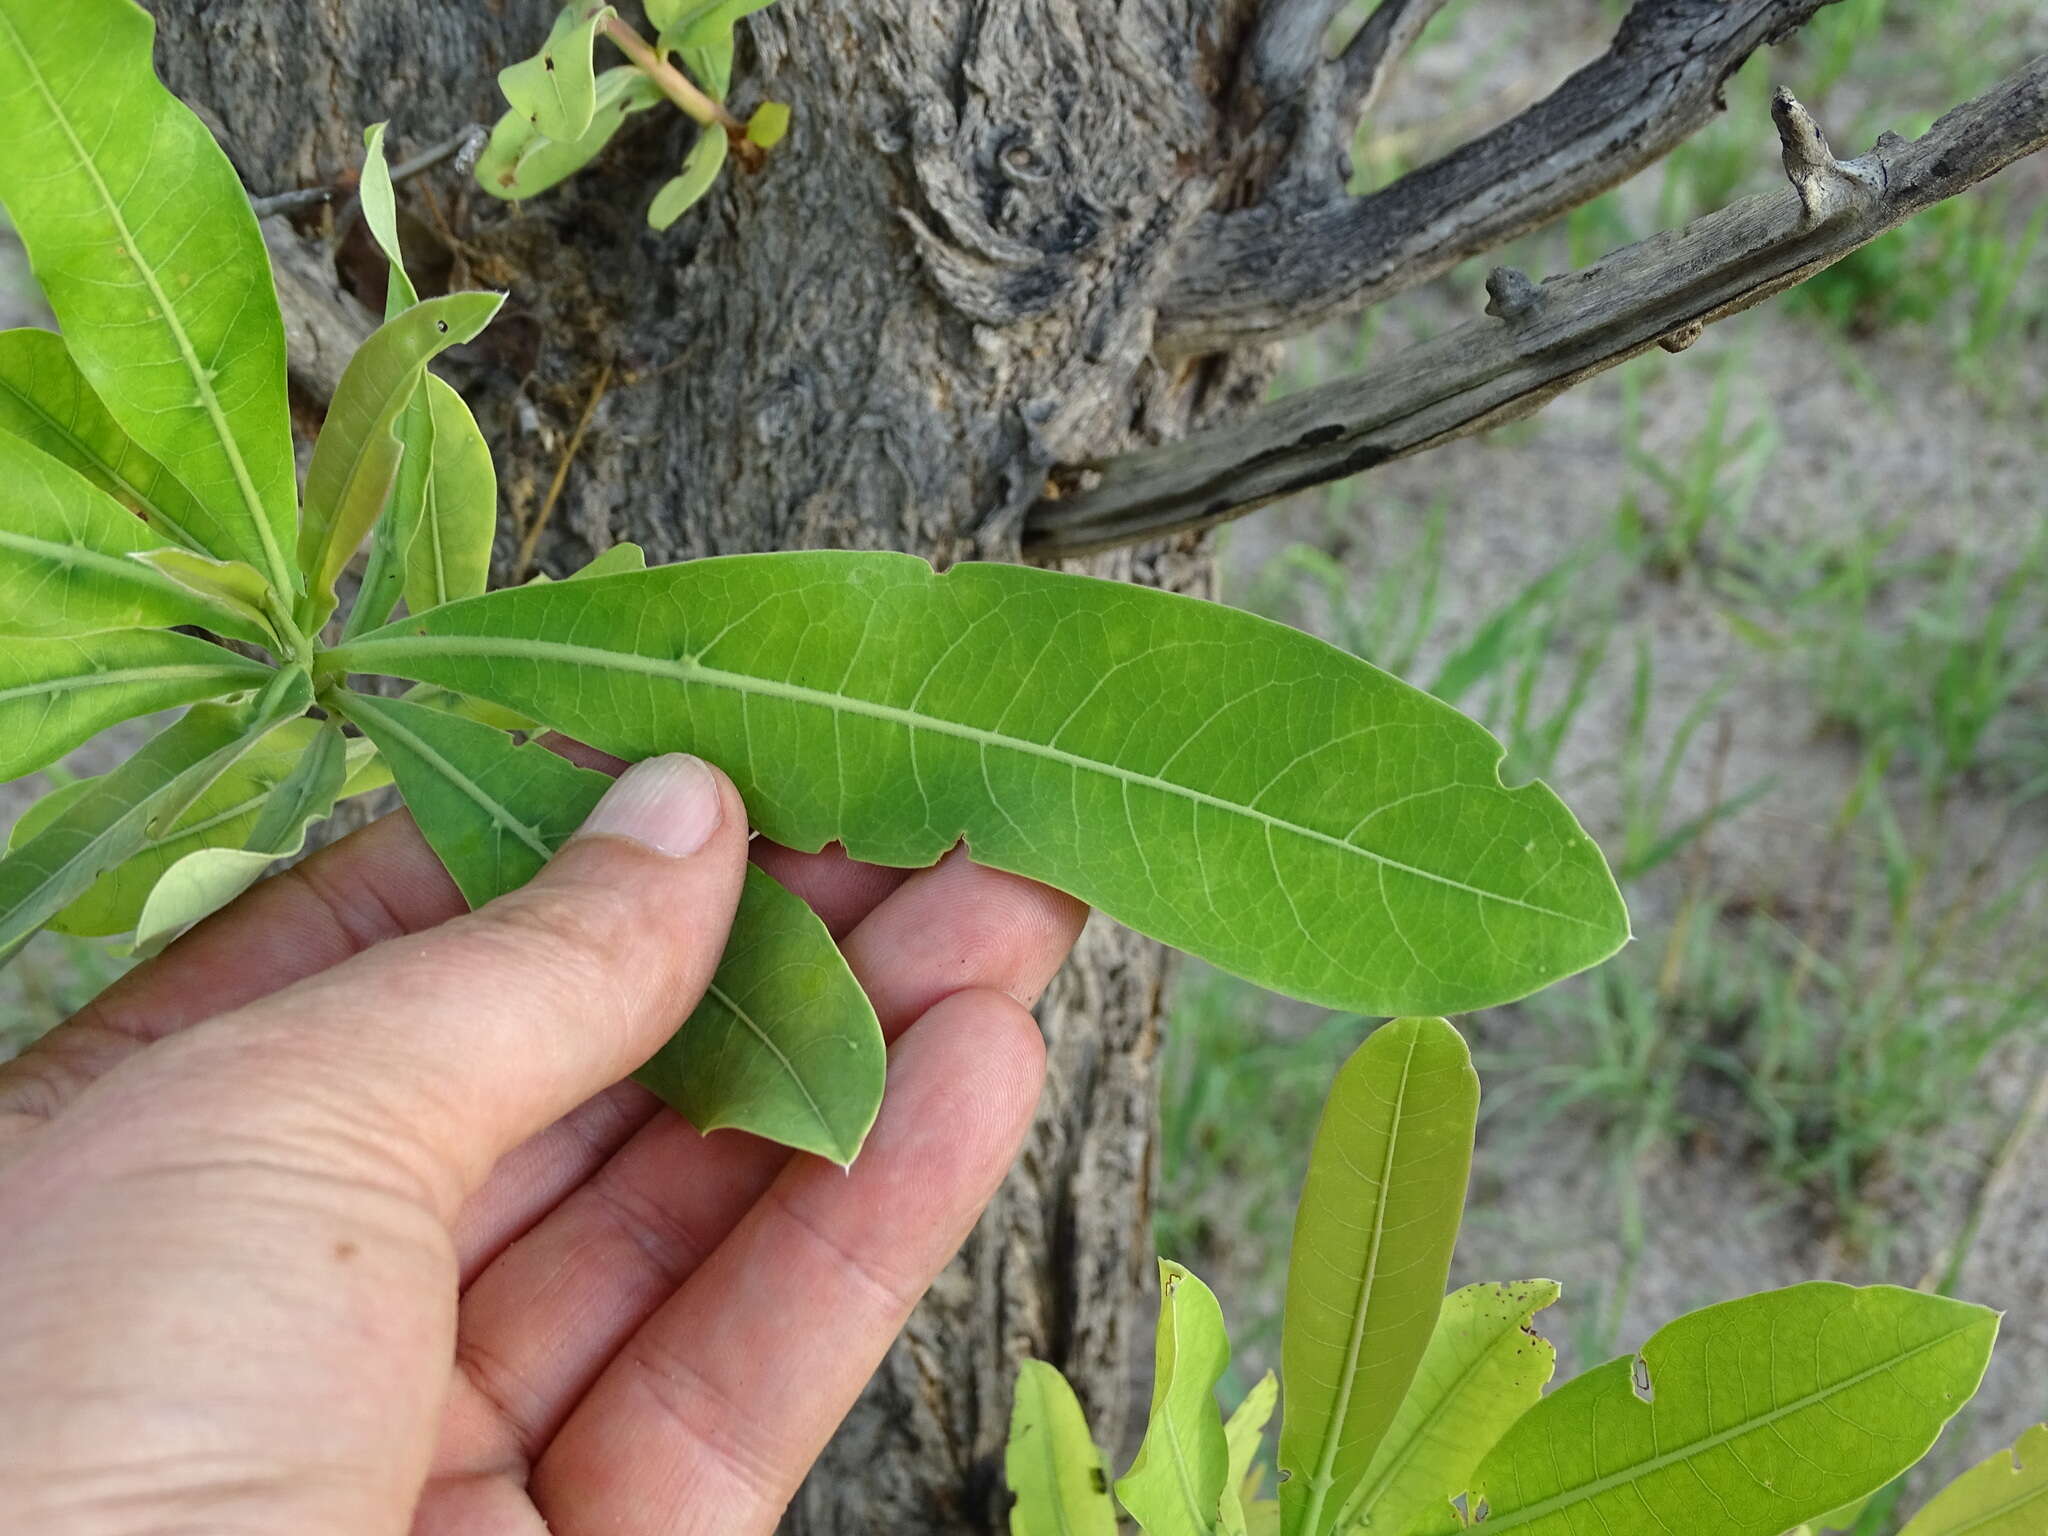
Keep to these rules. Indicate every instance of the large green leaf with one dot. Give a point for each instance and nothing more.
(520, 161)
(356, 458)
(154, 787)
(65, 566)
(2006, 1494)
(223, 817)
(1755, 1415)
(144, 244)
(700, 169)
(1372, 1243)
(1485, 1367)
(1052, 1463)
(1243, 1432)
(785, 1043)
(1224, 783)
(45, 401)
(1175, 1486)
(556, 89)
(56, 694)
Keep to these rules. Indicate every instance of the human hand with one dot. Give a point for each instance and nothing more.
(335, 1218)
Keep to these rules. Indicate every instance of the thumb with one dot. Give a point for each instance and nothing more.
(452, 1046)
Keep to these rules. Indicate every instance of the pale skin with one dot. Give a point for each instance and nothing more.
(336, 1218)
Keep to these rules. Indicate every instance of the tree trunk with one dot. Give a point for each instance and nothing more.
(941, 284)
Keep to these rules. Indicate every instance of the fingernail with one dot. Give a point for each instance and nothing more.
(670, 804)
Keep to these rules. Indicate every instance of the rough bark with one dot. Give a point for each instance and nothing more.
(940, 285)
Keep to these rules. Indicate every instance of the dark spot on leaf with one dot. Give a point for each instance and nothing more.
(441, 326)
(1100, 1482)
(548, 62)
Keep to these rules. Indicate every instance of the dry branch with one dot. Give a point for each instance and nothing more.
(1286, 263)
(1545, 338)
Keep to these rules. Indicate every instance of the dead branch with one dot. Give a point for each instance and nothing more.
(1285, 264)
(1545, 338)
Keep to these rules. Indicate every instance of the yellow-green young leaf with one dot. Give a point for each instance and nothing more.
(380, 213)
(1372, 1243)
(366, 770)
(207, 879)
(556, 89)
(2004, 1495)
(154, 787)
(1052, 1463)
(1242, 1433)
(224, 815)
(447, 535)
(46, 402)
(1262, 1517)
(144, 244)
(1228, 785)
(785, 1043)
(228, 584)
(620, 557)
(769, 124)
(700, 169)
(356, 457)
(57, 694)
(1757, 1414)
(1484, 1368)
(1175, 1486)
(64, 566)
(520, 161)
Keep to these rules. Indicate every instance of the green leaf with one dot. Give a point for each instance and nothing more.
(1051, 1462)
(556, 89)
(700, 169)
(1765, 1411)
(2004, 1495)
(65, 566)
(620, 557)
(153, 788)
(1226, 784)
(1844, 1518)
(380, 213)
(521, 162)
(57, 694)
(356, 458)
(207, 879)
(1242, 1433)
(144, 244)
(785, 1043)
(228, 584)
(1372, 1243)
(226, 816)
(769, 124)
(701, 31)
(1175, 1486)
(1484, 1368)
(446, 534)
(45, 401)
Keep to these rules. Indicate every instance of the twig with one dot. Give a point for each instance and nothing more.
(1562, 332)
(522, 564)
(311, 197)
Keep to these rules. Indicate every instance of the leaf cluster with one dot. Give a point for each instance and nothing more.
(1224, 783)
(563, 111)
(1408, 1412)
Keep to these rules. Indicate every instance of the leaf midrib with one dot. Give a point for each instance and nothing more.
(273, 557)
(688, 671)
(731, 1005)
(1333, 1432)
(120, 568)
(476, 793)
(118, 675)
(1593, 1489)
